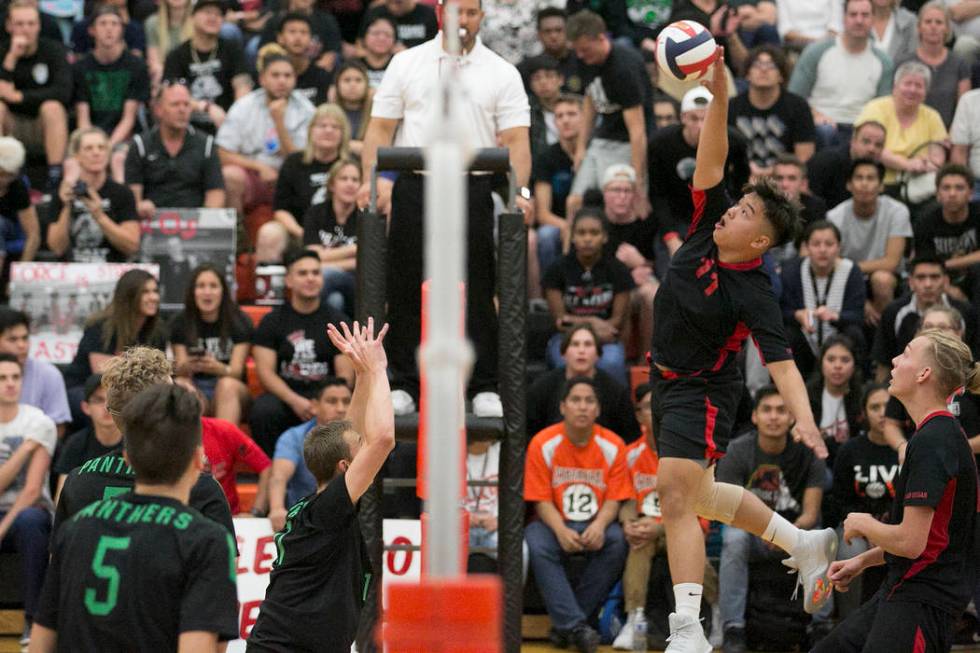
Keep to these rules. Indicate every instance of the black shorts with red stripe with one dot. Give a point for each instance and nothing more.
(883, 626)
(693, 415)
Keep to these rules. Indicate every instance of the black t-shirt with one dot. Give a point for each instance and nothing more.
(615, 408)
(109, 476)
(16, 199)
(207, 335)
(300, 185)
(639, 233)
(313, 84)
(621, 82)
(318, 580)
(939, 473)
(375, 73)
(554, 167)
(569, 66)
(588, 293)
(88, 242)
(706, 309)
(670, 161)
(79, 447)
(179, 181)
(324, 33)
(827, 173)
(304, 353)
(107, 87)
(936, 237)
(208, 74)
(42, 76)
(864, 478)
(773, 131)
(417, 26)
(899, 322)
(134, 572)
(91, 343)
(320, 227)
(965, 408)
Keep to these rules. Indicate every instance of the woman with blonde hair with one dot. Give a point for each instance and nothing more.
(929, 544)
(165, 30)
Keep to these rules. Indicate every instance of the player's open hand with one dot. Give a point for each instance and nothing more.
(718, 82)
(809, 435)
(365, 350)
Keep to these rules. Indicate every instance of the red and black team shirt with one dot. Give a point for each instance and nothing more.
(940, 473)
(706, 309)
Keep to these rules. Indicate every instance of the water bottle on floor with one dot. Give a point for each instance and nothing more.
(639, 630)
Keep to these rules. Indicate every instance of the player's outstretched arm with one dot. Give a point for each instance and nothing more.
(372, 413)
(709, 169)
(790, 385)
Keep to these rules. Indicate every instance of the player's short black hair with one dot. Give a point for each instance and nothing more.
(642, 391)
(550, 12)
(566, 389)
(10, 358)
(294, 17)
(585, 23)
(328, 382)
(593, 212)
(869, 389)
(324, 447)
(926, 259)
(566, 338)
(762, 393)
(865, 161)
(781, 213)
(297, 254)
(955, 170)
(10, 317)
(162, 427)
(821, 225)
(92, 383)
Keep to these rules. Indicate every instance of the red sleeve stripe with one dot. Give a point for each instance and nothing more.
(700, 199)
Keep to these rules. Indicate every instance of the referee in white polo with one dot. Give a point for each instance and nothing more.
(496, 113)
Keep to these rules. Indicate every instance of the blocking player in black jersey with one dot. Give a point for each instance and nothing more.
(318, 580)
(929, 545)
(714, 295)
(124, 377)
(143, 571)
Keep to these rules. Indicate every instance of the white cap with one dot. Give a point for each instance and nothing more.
(697, 98)
(618, 172)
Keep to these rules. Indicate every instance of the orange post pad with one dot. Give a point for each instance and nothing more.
(462, 615)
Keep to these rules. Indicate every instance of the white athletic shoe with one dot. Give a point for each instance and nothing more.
(624, 640)
(402, 402)
(487, 404)
(811, 559)
(686, 635)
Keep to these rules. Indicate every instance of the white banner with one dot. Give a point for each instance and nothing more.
(257, 550)
(59, 297)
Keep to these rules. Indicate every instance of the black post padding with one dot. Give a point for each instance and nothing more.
(488, 159)
(372, 240)
(512, 293)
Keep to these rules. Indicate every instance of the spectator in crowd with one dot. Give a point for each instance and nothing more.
(828, 170)
(353, 94)
(834, 389)
(590, 285)
(580, 351)
(35, 87)
(576, 513)
(802, 22)
(554, 43)
(893, 29)
(330, 230)
(173, 165)
(261, 130)
(823, 295)
(544, 81)
(166, 29)
(482, 502)
(950, 72)
(111, 83)
(613, 12)
(324, 43)
(756, 22)
(965, 135)
(292, 352)
(210, 342)
(213, 67)
(415, 22)
(295, 37)
(291, 480)
(666, 110)
(27, 442)
(82, 39)
(966, 27)
(379, 48)
(771, 120)
(19, 224)
(826, 75)
(874, 233)
(509, 27)
(672, 151)
(951, 232)
(789, 173)
(131, 318)
(94, 218)
(787, 477)
(552, 176)
(914, 131)
(42, 385)
(302, 181)
(901, 319)
(97, 439)
(865, 471)
(620, 94)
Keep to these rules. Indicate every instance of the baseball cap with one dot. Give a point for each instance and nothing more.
(697, 98)
(618, 172)
(92, 383)
(200, 4)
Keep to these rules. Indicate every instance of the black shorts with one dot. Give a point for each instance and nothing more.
(892, 626)
(693, 415)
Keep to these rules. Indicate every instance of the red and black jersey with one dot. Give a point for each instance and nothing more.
(940, 473)
(706, 309)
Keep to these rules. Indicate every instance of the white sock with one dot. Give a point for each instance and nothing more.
(687, 599)
(781, 533)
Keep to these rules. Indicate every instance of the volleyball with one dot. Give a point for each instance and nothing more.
(685, 50)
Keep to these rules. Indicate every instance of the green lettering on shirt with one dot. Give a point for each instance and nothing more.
(232, 554)
(136, 515)
(183, 521)
(110, 491)
(124, 509)
(106, 508)
(165, 515)
(87, 511)
(278, 537)
(150, 513)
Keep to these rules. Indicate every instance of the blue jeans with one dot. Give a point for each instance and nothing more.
(833, 135)
(738, 549)
(613, 361)
(483, 538)
(28, 536)
(549, 246)
(338, 289)
(568, 606)
(765, 33)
